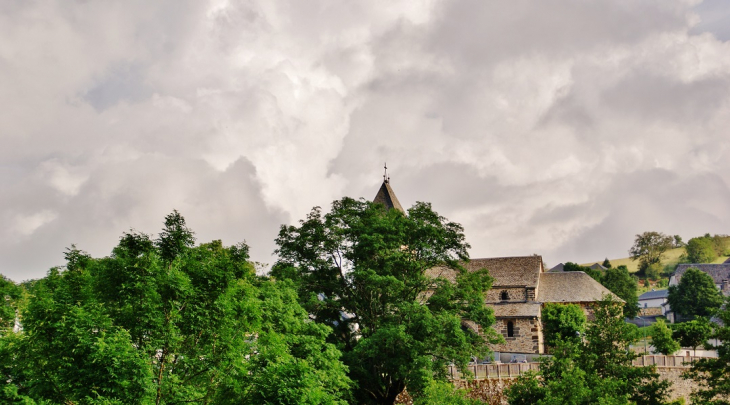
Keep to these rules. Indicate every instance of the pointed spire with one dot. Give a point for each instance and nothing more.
(386, 195)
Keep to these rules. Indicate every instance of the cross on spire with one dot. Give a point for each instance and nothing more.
(386, 179)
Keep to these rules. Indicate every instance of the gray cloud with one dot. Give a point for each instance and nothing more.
(560, 127)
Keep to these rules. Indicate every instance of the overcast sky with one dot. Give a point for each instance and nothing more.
(556, 127)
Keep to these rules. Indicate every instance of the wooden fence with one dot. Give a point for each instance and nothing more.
(661, 360)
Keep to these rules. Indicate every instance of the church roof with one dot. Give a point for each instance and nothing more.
(571, 286)
(387, 197)
(522, 271)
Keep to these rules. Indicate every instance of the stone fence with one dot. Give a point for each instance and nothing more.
(512, 370)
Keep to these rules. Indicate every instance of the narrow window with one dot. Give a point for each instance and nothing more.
(510, 329)
(505, 296)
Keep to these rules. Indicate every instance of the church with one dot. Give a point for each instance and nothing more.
(520, 290)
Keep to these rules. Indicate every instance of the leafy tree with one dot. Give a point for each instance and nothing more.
(678, 241)
(444, 393)
(648, 248)
(144, 326)
(562, 322)
(9, 294)
(693, 333)
(712, 376)
(695, 295)
(606, 263)
(661, 337)
(654, 271)
(598, 369)
(620, 282)
(700, 250)
(361, 269)
(594, 274)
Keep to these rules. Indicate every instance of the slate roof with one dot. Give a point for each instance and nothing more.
(596, 266)
(558, 268)
(650, 295)
(570, 286)
(521, 271)
(516, 310)
(387, 197)
(718, 272)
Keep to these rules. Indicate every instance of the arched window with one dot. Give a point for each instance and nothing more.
(505, 296)
(510, 329)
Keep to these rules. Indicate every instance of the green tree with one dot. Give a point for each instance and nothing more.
(661, 337)
(9, 295)
(700, 250)
(712, 376)
(562, 322)
(606, 263)
(693, 333)
(149, 327)
(648, 248)
(594, 274)
(620, 282)
(597, 370)
(361, 269)
(678, 241)
(695, 295)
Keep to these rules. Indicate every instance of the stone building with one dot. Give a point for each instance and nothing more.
(520, 289)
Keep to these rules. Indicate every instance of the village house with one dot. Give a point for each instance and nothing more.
(520, 290)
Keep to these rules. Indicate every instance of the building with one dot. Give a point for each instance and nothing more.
(520, 289)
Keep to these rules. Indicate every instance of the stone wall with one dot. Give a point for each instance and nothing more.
(527, 336)
(514, 295)
(680, 388)
(653, 311)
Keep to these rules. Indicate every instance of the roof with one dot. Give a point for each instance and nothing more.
(718, 272)
(650, 295)
(596, 266)
(558, 268)
(571, 286)
(521, 271)
(387, 197)
(516, 310)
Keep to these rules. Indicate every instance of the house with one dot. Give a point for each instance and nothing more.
(653, 298)
(720, 274)
(520, 289)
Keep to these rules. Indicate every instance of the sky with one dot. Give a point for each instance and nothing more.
(560, 127)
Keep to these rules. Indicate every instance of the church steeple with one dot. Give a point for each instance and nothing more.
(386, 196)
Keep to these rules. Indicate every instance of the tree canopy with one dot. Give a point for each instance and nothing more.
(661, 338)
(361, 270)
(620, 282)
(562, 322)
(595, 370)
(695, 295)
(648, 248)
(166, 322)
(700, 250)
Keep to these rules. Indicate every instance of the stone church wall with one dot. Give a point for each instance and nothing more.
(527, 336)
(514, 295)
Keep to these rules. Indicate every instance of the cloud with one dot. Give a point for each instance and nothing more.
(560, 127)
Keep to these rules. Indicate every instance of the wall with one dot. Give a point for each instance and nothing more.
(527, 335)
(515, 294)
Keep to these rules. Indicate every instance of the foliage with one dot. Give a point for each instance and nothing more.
(9, 295)
(562, 322)
(165, 322)
(712, 376)
(693, 333)
(678, 241)
(606, 263)
(443, 393)
(597, 370)
(595, 274)
(695, 295)
(700, 250)
(623, 284)
(661, 337)
(361, 270)
(648, 248)
(654, 271)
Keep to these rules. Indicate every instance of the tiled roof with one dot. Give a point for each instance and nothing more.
(523, 271)
(718, 272)
(654, 294)
(387, 197)
(570, 286)
(516, 310)
(558, 268)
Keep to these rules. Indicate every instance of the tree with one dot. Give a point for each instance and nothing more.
(606, 263)
(145, 326)
(695, 295)
(598, 369)
(361, 270)
(620, 282)
(678, 241)
(648, 248)
(700, 250)
(661, 337)
(9, 294)
(594, 274)
(562, 322)
(712, 376)
(693, 333)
